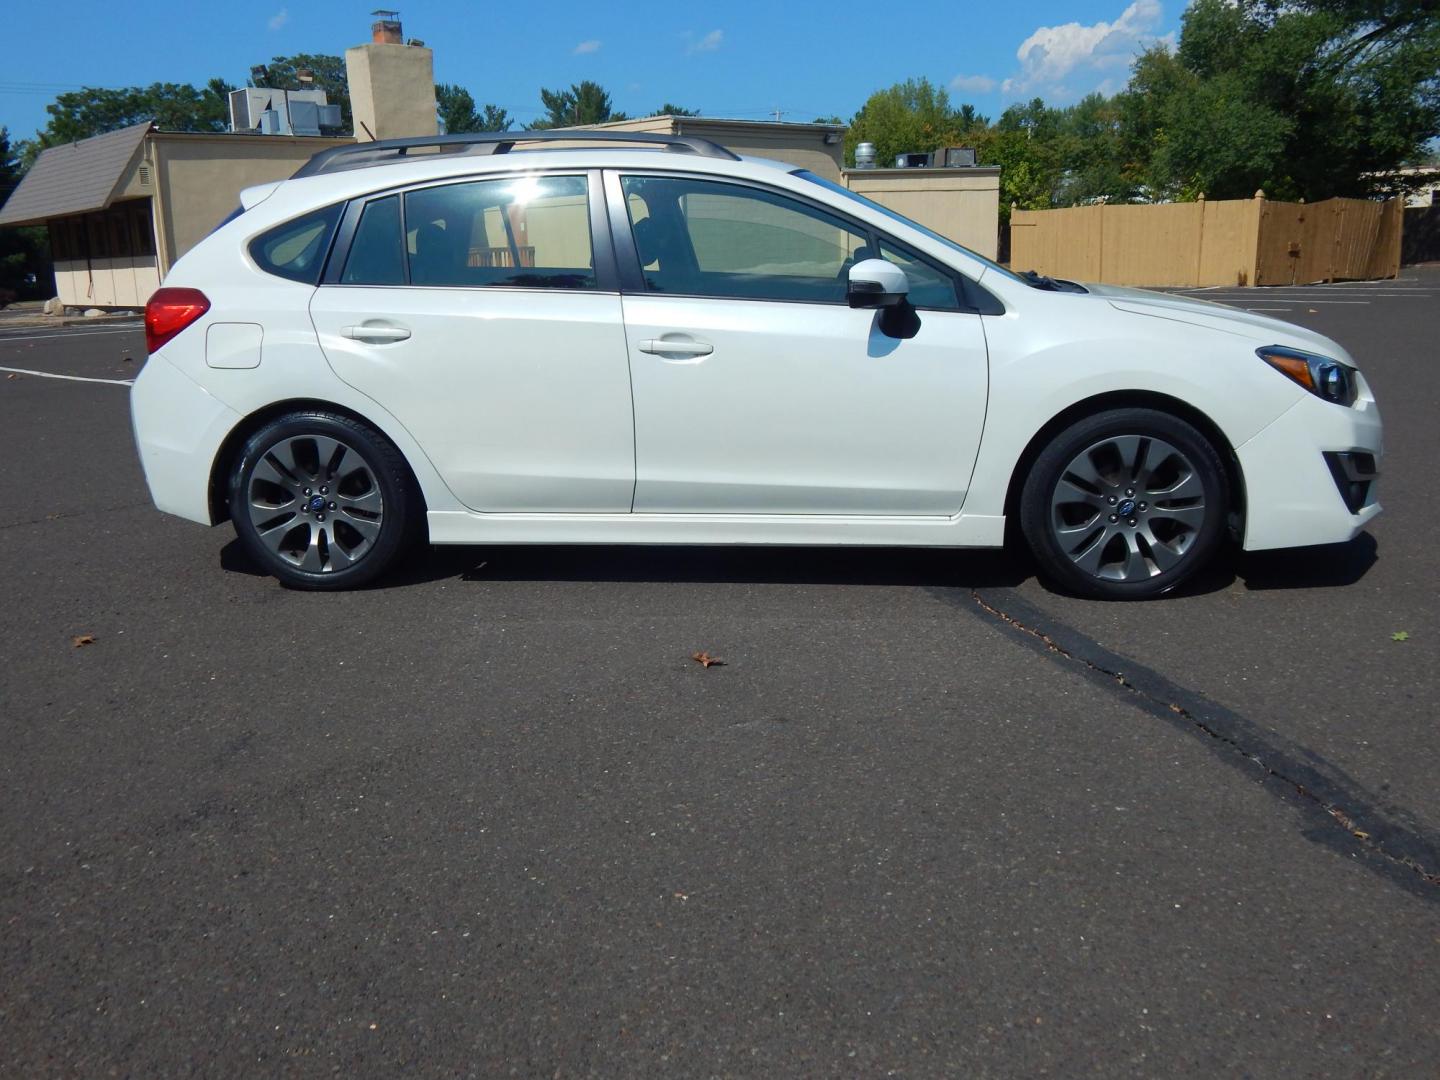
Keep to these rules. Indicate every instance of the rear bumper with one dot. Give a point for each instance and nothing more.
(179, 428)
(1292, 494)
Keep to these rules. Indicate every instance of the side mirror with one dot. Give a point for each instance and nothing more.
(875, 283)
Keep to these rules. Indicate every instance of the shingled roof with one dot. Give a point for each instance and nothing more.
(74, 178)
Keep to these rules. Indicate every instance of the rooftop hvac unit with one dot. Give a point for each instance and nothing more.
(300, 112)
(304, 117)
(914, 161)
(958, 157)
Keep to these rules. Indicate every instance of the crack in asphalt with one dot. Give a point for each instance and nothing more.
(1398, 848)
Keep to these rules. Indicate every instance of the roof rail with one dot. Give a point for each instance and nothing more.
(485, 143)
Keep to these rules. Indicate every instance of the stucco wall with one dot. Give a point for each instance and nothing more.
(961, 204)
(392, 91)
(199, 179)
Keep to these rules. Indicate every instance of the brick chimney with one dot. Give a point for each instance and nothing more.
(392, 85)
(386, 31)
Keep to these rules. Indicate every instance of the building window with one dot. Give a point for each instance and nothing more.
(142, 228)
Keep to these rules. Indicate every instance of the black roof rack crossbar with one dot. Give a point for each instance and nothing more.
(485, 143)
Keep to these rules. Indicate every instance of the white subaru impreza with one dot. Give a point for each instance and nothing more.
(664, 343)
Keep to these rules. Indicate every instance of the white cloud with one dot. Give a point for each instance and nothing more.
(591, 46)
(1054, 53)
(973, 84)
(709, 43)
(279, 19)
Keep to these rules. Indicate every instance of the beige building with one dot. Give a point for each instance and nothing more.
(961, 204)
(123, 206)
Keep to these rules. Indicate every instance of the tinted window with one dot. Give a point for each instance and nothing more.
(929, 286)
(522, 232)
(701, 238)
(376, 256)
(296, 249)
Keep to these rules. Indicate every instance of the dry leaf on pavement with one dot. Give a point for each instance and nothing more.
(704, 659)
(82, 639)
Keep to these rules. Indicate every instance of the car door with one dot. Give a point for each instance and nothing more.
(757, 389)
(477, 313)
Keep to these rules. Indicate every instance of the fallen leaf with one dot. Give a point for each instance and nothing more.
(704, 659)
(12, 376)
(82, 639)
(1400, 635)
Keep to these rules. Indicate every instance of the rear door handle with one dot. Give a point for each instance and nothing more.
(375, 334)
(668, 347)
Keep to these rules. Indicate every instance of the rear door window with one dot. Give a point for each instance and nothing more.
(518, 232)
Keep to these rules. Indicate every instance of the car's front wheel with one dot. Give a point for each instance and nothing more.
(1125, 504)
(321, 501)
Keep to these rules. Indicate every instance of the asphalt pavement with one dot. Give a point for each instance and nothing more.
(929, 818)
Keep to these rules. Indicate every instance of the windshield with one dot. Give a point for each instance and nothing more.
(829, 185)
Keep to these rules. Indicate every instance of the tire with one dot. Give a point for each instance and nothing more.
(1125, 505)
(322, 501)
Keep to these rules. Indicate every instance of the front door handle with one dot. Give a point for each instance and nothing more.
(374, 333)
(675, 347)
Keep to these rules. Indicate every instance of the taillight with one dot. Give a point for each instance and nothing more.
(170, 311)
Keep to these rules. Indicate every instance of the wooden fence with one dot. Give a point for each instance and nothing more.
(1233, 242)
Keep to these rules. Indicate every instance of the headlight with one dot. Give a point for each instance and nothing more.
(1323, 377)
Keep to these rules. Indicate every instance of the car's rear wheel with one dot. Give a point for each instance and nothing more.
(1125, 504)
(321, 501)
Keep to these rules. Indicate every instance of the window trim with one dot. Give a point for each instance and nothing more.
(971, 297)
(602, 251)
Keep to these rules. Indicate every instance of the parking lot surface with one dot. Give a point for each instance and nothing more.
(928, 819)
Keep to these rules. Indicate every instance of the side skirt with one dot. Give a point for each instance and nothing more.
(961, 531)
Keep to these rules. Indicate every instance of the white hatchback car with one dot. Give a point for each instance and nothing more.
(664, 343)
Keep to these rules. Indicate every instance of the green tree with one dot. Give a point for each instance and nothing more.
(324, 72)
(1311, 98)
(910, 117)
(674, 110)
(584, 103)
(79, 114)
(23, 252)
(458, 114)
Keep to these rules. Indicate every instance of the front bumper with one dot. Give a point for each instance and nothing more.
(1292, 496)
(179, 428)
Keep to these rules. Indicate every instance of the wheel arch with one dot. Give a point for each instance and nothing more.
(1127, 399)
(225, 457)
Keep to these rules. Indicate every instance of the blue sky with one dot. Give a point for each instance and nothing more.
(739, 59)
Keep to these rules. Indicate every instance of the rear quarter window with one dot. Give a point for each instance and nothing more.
(297, 248)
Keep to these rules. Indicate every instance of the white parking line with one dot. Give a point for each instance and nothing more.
(22, 336)
(67, 378)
